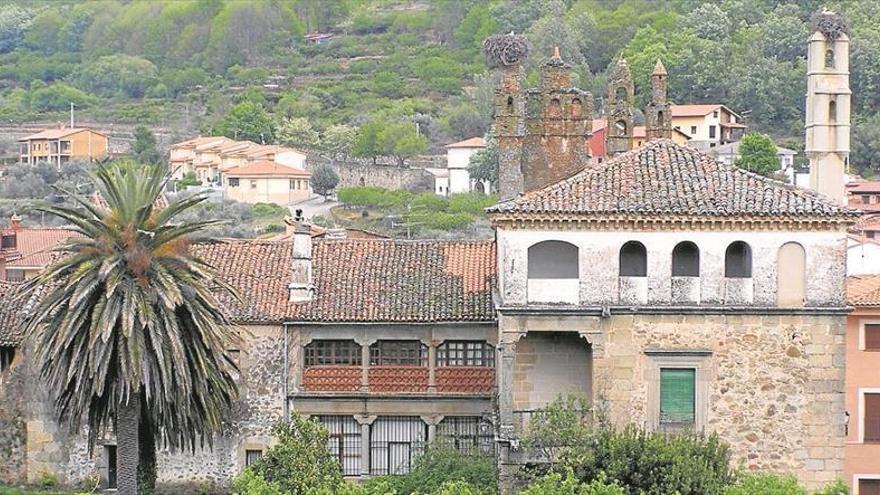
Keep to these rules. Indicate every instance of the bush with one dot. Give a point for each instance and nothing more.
(299, 464)
(777, 484)
(556, 484)
(440, 470)
(269, 210)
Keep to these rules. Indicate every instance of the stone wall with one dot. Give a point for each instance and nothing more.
(774, 384)
(352, 174)
(39, 445)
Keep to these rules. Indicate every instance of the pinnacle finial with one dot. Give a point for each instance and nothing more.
(556, 52)
(659, 69)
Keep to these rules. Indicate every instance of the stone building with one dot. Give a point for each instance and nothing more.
(619, 114)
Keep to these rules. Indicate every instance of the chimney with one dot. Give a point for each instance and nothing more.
(301, 288)
(15, 222)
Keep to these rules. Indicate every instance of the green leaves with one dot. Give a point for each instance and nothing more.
(127, 309)
(757, 153)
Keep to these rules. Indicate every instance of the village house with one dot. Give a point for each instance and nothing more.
(708, 125)
(61, 145)
(455, 177)
(266, 181)
(25, 251)
(864, 195)
(640, 136)
(671, 291)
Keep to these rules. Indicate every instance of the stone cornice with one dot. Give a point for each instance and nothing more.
(575, 221)
(668, 310)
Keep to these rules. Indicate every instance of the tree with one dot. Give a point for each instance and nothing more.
(338, 140)
(366, 142)
(483, 164)
(299, 464)
(144, 148)
(116, 75)
(248, 121)
(297, 132)
(866, 144)
(14, 20)
(757, 153)
(135, 314)
(324, 179)
(401, 141)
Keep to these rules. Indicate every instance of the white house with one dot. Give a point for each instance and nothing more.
(455, 178)
(729, 154)
(708, 125)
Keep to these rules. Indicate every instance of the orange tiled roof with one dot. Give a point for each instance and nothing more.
(198, 141)
(266, 168)
(358, 280)
(863, 290)
(58, 133)
(868, 186)
(694, 110)
(34, 246)
(474, 142)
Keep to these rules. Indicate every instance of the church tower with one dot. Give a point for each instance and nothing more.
(509, 130)
(828, 105)
(619, 111)
(658, 118)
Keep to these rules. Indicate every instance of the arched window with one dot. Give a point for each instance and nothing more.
(832, 111)
(686, 260)
(633, 260)
(620, 92)
(510, 104)
(660, 117)
(620, 127)
(829, 58)
(791, 275)
(738, 260)
(553, 259)
(555, 109)
(576, 108)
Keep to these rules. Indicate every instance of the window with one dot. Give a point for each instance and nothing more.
(715, 114)
(871, 337)
(620, 93)
(677, 398)
(333, 353)
(711, 132)
(398, 353)
(659, 118)
(872, 417)
(509, 109)
(686, 260)
(294, 184)
(465, 353)
(738, 260)
(233, 182)
(252, 455)
(869, 487)
(633, 260)
(553, 259)
(693, 130)
(7, 355)
(14, 275)
(110, 458)
(866, 199)
(253, 184)
(395, 442)
(8, 241)
(467, 434)
(555, 109)
(829, 58)
(832, 111)
(791, 275)
(576, 108)
(344, 442)
(620, 128)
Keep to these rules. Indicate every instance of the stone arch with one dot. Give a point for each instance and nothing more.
(509, 104)
(633, 260)
(791, 275)
(829, 58)
(620, 93)
(686, 260)
(620, 128)
(576, 108)
(555, 108)
(738, 260)
(553, 259)
(832, 111)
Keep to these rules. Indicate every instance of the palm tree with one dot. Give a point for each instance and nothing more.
(128, 330)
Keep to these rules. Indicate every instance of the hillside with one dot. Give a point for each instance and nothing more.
(247, 69)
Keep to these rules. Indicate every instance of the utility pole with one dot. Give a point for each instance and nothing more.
(71, 115)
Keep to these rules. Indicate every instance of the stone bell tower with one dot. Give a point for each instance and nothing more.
(827, 120)
(619, 111)
(658, 119)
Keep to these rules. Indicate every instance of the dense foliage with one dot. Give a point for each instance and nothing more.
(398, 62)
(757, 153)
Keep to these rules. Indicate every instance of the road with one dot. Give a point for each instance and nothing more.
(314, 206)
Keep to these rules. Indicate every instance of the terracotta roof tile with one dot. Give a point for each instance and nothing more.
(360, 280)
(265, 168)
(33, 246)
(694, 110)
(863, 290)
(664, 178)
(864, 186)
(474, 142)
(58, 133)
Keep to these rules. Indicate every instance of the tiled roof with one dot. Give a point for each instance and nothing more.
(33, 246)
(359, 280)
(198, 141)
(11, 316)
(474, 142)
(694, 110)
(265, 168)
(58, 133)
(864, 186)
(664, 178)
(863, 290)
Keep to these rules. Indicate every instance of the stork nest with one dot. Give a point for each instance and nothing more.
(831, 24)
(504, 50)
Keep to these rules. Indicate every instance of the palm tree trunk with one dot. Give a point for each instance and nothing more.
(128, 417)
(146, 454)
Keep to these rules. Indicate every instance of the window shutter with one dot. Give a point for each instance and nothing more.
(677, 395)
(872, 337)
(872, 417)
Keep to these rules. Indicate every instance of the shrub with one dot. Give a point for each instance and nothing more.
(556, 484)
(474, 203)
(442, 468)
(299, 464)
(765, 484)
(269, 210)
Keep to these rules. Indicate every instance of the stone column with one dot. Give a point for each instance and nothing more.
(365, 363)
(296, 352)
(432, 422)
(365, 422)
(432, 366)
(507, 349)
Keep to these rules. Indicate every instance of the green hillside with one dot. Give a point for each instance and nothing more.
(243, 68)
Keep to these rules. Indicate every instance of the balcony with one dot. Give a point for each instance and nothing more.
(331, 379)
(399, 380)
(412, 379)
(465, 379)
